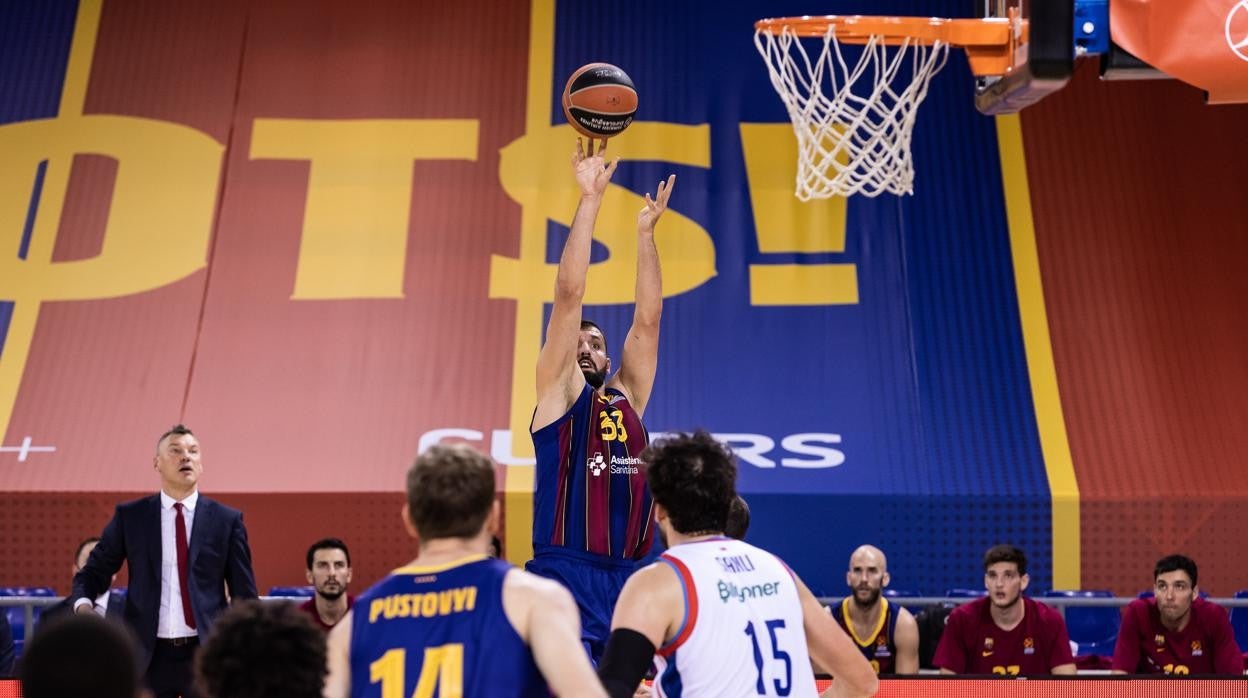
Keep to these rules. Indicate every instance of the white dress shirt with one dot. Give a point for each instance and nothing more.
(101, 604)
(172, 623)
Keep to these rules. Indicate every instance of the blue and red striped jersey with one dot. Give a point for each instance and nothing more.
(591, 493)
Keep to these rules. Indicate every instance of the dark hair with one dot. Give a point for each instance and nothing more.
(694, 477)
(80, 655)
(738, 519)
(1005, 553)
(259, 649)
(328, 544)
(1170, 563)
(83, 544)
(591, 325)
(175, 430)
(450, 491)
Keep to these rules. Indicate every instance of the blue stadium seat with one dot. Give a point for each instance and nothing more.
(1093, 628)
(1239, 621)
(304, 591)
(899, 597)
(17, 614)
(966, 593)
(900, 594)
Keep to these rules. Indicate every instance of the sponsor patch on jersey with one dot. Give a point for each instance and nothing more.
(625, 465)
(881, 647)
(729, 591)
(1196, 649)
(1029, 646)
(596, 464)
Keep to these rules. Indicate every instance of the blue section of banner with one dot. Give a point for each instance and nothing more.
(34, 49)
(921, 388)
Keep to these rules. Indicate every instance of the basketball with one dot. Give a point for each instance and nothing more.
(599, 100)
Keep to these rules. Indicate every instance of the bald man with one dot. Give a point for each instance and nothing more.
(885, 633)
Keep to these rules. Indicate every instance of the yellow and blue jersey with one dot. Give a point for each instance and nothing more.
(429, 632)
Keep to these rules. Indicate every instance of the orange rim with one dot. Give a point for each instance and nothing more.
(989, 41)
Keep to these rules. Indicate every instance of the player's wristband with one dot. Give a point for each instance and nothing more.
(624, 662)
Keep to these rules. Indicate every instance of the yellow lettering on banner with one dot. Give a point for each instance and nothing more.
(159, 220)
(157, 232)
(355, 223)
(785, 224)
(543, 185)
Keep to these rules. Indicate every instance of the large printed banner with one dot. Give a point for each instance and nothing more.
(324, 235)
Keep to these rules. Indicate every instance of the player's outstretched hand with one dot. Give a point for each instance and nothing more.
(593, 172)
(648, 216)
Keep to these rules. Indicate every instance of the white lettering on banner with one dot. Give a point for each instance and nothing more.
(806, 451)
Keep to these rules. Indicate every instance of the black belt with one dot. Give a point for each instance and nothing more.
(179, 641)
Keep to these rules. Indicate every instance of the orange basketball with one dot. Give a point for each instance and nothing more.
(599, 100)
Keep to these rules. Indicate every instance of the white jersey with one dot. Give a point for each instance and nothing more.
(742, 634)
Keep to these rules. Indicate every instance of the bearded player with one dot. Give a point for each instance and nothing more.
(592, 512)
(886, 634)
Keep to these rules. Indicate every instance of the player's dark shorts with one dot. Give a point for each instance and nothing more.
(595, 582)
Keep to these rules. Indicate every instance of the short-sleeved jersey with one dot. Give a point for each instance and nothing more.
(879, 647)
(973, 643)
(443, 626)
(590, 494)
(1206, 645)
(743, 633)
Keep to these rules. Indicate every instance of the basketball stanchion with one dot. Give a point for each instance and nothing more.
(854, 119)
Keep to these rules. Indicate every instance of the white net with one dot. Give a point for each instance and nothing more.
(853, 123)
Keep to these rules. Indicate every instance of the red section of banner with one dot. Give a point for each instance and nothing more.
(105, 377)
(258, 374)
(1141, 249)
(273, 373)
(1202, 42)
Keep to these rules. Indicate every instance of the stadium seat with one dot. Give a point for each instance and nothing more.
(1094, 629)
(1239, 621)
(966, 593)
(17, 614)
(900, 594)
(303, 592)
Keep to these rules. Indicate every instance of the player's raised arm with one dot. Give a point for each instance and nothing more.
(641, 347)
(558, 378)
(338, 657)
(833, 651)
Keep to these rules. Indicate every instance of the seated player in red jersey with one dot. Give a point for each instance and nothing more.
(1005, 633)
(886, 634)
(1176, 632)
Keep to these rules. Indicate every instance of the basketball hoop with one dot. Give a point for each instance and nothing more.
(858, 141)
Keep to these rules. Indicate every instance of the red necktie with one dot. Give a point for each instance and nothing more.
(183, 567)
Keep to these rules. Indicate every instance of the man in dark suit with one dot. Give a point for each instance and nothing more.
(183, 551)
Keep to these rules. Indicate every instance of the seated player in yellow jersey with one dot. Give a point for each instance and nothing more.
(454, 621)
